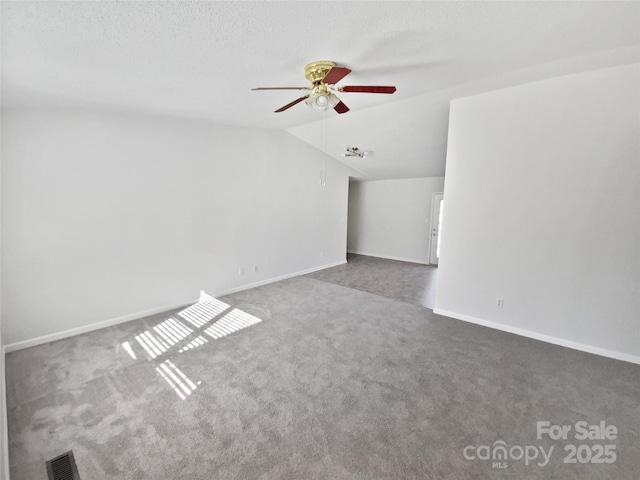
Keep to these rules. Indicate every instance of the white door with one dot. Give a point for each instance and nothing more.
(436, 222)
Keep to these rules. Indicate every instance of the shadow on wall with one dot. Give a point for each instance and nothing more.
(193, 329)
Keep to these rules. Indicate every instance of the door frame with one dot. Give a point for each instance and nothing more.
(434, 231)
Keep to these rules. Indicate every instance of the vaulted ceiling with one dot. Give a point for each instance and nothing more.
(201, 59)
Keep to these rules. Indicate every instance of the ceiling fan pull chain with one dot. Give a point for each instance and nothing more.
(323, 148)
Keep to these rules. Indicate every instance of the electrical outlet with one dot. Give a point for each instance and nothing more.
(241, 271)
(255, 269)
(500, 302)
(321, 254)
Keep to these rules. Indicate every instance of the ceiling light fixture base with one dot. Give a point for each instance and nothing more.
(316, 71)
(354, 152)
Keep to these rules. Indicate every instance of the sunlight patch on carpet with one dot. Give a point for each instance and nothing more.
(173, 333)
(178, 381)
(205, 310)
(232, 322)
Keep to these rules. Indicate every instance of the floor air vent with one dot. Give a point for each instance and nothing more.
(63, 467)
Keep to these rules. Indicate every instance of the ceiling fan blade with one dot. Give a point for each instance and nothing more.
(368, 89)
(335, 75)
(281, 88)
(341, 107)
(289, 105)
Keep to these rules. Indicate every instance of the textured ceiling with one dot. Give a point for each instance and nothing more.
(200, 60)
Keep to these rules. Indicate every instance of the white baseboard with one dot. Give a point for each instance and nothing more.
(388, 257)
(277, 279)
(52, 337)
(542, 337)
(12, 347)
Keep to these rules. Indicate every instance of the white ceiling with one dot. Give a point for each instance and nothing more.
(200, 60)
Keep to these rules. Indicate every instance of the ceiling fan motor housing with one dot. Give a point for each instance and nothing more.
(316, 71)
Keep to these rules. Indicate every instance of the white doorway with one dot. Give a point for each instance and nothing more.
(436, 221)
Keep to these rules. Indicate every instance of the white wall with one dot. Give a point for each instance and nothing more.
(392, 218)
(4, 430)
(542, 192)
(106, 216)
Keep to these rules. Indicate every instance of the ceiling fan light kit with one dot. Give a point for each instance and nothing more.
(324, 75)
(321, 98)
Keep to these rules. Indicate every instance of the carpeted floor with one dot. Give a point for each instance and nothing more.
(405, 281)
(308, 379)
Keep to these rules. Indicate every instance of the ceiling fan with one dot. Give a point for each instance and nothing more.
(355, 152)
(324, 75)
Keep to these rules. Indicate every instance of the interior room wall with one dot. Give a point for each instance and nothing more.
(542, 193)
(392, 218)
(4, 431)
(106, 216)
